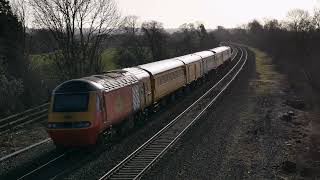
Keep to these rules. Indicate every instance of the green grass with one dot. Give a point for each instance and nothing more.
(108, 59)
(266, 72)
(260, 55)
(43, 61)
(262, 63)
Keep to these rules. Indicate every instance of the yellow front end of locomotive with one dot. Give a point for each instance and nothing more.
(73, 119)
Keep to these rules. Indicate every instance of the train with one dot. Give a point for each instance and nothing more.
(81, 110)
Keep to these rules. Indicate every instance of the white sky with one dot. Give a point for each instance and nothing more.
(228, 13)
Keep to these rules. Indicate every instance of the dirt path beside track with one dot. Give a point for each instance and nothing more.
(258, 131)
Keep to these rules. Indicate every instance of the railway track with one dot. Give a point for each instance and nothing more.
(59, 164)
(36, 172)
(137, 163)
(35, 114)
(23, 150)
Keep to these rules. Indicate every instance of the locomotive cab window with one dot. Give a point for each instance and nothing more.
(77, 102)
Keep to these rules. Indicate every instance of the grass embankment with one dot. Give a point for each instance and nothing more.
(262, 59)
(265, 70)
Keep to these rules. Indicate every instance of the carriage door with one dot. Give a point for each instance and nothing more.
(148, 94)
(142, 95)
(195, 71)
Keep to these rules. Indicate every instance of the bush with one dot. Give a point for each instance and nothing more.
(10, 91)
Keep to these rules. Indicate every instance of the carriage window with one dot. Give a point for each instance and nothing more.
(170, 76)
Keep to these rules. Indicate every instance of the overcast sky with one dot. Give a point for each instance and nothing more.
(228, 13)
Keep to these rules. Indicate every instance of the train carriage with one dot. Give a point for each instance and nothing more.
(222, 53)
(167, 76)
(193, 67)
(208, 61)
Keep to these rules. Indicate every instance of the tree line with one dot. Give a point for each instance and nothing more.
(293, 42)
(150, 42)
(68, 41)
(70, 37)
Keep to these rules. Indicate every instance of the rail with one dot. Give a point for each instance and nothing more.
(56, 159)
(35, 114)
(138, 162)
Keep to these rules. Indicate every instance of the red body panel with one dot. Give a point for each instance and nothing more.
(75, 137)
(118, 104)
(78, 137)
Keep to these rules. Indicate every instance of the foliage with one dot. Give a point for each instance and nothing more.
(78, 27)
(292, 43)
(108, 59)
(11, 36)
(191, 38)
(67, 45)
(150, 42)
(156, 38)
(10, 91)
(12, 64)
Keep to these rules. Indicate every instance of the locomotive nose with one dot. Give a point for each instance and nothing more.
(72, 116)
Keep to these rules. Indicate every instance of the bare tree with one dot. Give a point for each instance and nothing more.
(255, 27)
(155, 35)
(316, 19)
(133, 49)
(20, 9)
(299, 20)
(130, 25)
(130, 30)
(188, 39)
(79, 27)
(272, 25)
(300, 23)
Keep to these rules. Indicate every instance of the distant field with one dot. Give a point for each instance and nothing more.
(44, 63)
(41, 59)
(108, 59)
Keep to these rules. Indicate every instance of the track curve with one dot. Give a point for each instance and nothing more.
(137, 163)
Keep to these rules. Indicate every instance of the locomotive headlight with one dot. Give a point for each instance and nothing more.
(82, 124)
(87, 124)
(52, 125)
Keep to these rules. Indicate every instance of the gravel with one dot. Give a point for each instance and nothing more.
(243, 137)
(21, 137)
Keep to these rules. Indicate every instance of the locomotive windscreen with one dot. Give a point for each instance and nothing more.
(71, 102)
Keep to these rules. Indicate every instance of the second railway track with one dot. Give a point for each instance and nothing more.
(35, 114)
(137, 163)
